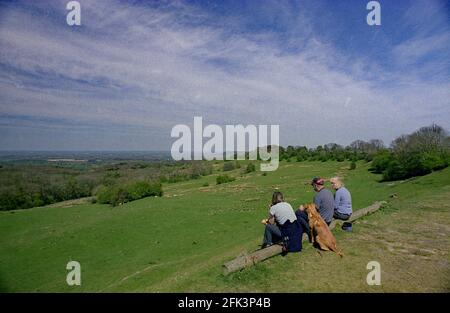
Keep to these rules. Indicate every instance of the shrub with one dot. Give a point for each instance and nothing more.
(222, 179)
(116, 195)
(250, 168)
(119, 195)
(394, 171)
(435, 161)
(228, 166)
(175, 178)
(353, 165)
(381, 161)
(103, 194)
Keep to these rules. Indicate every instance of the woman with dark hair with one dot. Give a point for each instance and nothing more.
(282, 225)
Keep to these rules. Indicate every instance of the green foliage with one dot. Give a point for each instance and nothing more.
(222, 179)
(416, 154)
(353, 165)
(37, 183)
(357, 150)
(394, 171)
(228, 166)
(24, 195)
(104, 194)
(116, 195)
(412, 164)
(250, 168)
(381, 161)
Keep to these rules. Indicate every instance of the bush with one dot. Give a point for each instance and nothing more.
(119, 195)
(200, 169)
(435, 161)
(353, 165)
(228, 166)
(103, 194)
(175, 178)
(250, 168)
(394, 171)
(413, 164)
(222, 179)
(381, 161)
(116, 195)
(412, 155)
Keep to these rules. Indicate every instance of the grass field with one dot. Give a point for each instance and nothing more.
(178, 242)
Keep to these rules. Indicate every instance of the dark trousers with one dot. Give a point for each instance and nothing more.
(340, 216)
(272, 234)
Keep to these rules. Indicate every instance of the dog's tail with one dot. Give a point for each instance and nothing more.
(338, 252)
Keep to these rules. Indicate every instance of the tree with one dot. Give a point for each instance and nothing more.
(415, 154)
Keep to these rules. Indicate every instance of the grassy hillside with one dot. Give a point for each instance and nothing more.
(178, 242)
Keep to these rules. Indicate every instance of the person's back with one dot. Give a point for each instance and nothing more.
(291, 229)
(343, 201)
(282, 225)
(282, 212)
(324, 201)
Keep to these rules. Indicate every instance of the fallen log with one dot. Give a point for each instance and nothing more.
(359, 213)
(247, 260)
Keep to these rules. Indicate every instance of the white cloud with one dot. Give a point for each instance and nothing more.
(153, 68)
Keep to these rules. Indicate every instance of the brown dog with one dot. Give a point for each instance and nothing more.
(320, 233)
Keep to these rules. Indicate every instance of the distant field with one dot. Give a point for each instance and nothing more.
(178, 242)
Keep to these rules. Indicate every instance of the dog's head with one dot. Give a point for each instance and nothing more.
(310, 209)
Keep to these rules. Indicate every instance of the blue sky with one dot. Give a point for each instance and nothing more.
(134, 69)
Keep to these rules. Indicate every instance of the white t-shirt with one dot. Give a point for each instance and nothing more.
(282, 212)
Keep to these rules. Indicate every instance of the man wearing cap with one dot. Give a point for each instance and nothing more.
(323, 199)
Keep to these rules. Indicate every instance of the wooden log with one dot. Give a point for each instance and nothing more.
(248, 260)
(257, 256)
(360, 213)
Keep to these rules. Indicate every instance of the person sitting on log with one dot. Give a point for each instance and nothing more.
(303, 219)
(282, 225)
(323, 199)
(342, 202)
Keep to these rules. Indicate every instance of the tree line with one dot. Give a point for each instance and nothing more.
(26, 186)
(415, 154)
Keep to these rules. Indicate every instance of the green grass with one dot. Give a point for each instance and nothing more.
(178, 242)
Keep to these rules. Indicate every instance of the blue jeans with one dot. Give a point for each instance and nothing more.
(272, 234)
(341, 216)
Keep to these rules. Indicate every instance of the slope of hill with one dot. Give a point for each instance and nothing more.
(179, 242)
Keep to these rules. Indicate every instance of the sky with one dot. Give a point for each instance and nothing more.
(134, 69)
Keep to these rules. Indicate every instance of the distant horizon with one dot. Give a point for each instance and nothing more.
(386, 144)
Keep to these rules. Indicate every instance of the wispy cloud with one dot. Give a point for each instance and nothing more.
(145, 68)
